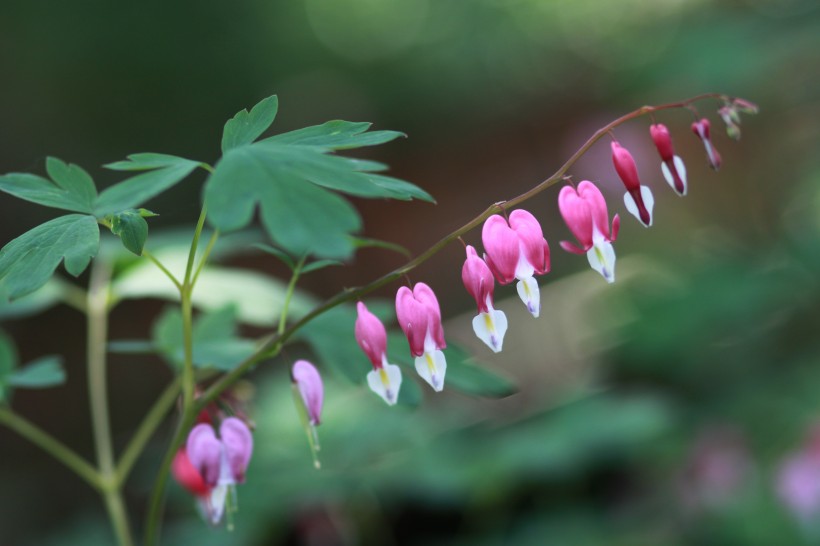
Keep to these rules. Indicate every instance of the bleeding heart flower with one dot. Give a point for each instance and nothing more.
(674, 171)
(385, 378)
(311, 394)
(701, 129)
(221, 462)
(517, 250)
(489, 325)
(419, 317)
(638, 199)
(584, 211)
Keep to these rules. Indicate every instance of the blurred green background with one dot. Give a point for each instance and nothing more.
(659, 410)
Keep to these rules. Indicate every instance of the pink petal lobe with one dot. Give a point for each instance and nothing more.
(307, 378)
(238, 442)
(205, 452)
(412, 317)
(427, 297)
(501, 245)
(370, 335)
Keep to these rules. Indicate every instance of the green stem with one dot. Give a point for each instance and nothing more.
(52, 446)
(185, 293)
(289, 294)
(97, 311)
(162, 268)
(152, 521)
(205, 255)
(146, 429)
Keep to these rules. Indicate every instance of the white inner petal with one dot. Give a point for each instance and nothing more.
(385, 382)
(681, 168)
(530, 294)
(648, 202)
(602, 259)
(431, 367)
(216, 503)
(490, 328)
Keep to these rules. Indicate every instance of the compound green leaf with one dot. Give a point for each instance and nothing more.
(162, 172)
(27, 262)
(42, 373)
(70, 187)
(245, 127)
(336, 135)
(131, 227)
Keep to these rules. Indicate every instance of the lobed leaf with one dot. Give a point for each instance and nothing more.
(245, 127)
(130, 226)
(27, 262)
(163, 172)
(70, 187)
(336, 135)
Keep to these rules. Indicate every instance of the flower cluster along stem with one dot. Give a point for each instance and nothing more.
(272, 341)
(270, 345)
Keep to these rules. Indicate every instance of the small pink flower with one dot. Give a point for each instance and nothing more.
(584, 210)
(517, 250)
(674, 171)
(419, 317)
(701, 129)
(220, 461)
(385, 378)
(638, 199)
(307, 379)
(489, 325)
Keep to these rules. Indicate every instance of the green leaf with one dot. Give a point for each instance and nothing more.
(163, 172)
(463, 375)
(363, 242)
(246, 127)
(72, 188)
(131, 347)
(27, 262)
(215, 343)
(330, 335)
(320, 264)
(42, 373)
(300, 217)
(131, 227)
(287, 176)
(8, 356)
(283, 256)
(336, 135)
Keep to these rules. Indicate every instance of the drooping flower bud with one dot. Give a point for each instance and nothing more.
(489, 325)
(674, 171)
(701, 129)
(517, 250)
(584, 210)
(731, 118)
(385, 378)
(307, 379)
(311, 394)
(419, 317)
(638, 199)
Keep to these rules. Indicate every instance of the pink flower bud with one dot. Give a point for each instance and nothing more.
(238, 442)
(490, 324)
(371, 335)
(478, 280)
(311, 388)
(419, 317)
(701, 129)
(385, 378)
(672, 166)
(638, 199)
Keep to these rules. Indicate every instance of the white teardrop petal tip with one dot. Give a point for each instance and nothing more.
(490, 328)
(530, 294)
(431, 367)
(385, 382)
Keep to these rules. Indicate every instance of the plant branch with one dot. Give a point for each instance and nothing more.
(162, 268)
(52, 446)
(276, 340)
(289, 294)
(205, 255)
(146, 429)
